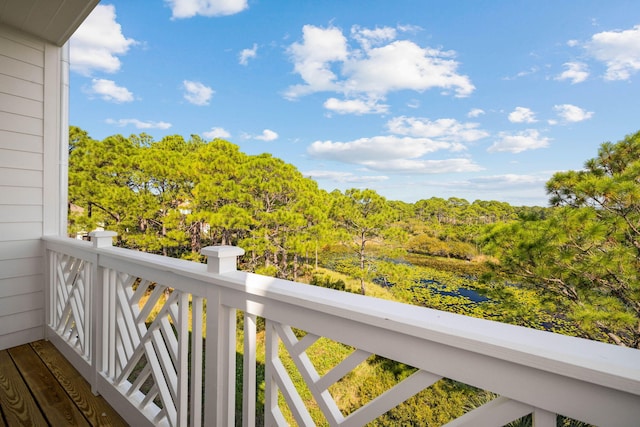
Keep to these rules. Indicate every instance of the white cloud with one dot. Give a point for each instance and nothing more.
(344, 177)
(577, 72)
(515, 189)
(197, 93)
(571, 113)
(376, 37)
(355, 106)
(247, 54)
(446, 129)
(216, 132)
(522, 115)
(424, 166)
(378, 148)
(326, 63)
(190, 8)
(110, 91)
(408, 28)
(98, 42)
(529, 139)
(619, 50)
(139, 124)
(476, 112)
(530, 71)
(507, 180)
(404, 154)
(313, 57)
(403, 65)
(267, 135)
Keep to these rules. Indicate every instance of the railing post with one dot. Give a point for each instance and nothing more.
(100, 239)
(222, 259)
(49, 290)
(221, 339)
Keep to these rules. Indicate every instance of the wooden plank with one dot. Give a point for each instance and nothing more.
(49, 394)
(18, 406)
(2, 423)
(94, 408)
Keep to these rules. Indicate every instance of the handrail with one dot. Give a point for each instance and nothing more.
(533, 371)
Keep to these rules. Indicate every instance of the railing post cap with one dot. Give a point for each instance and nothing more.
(103, 233)
(222, 259)
(222, 251)
(102, 238)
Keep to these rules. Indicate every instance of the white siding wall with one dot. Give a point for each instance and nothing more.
(26, 96)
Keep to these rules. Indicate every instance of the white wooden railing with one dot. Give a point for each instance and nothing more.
(133, 324)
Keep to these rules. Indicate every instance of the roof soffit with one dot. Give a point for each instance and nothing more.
(52, 20)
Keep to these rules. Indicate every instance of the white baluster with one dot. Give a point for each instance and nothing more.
(249, 372)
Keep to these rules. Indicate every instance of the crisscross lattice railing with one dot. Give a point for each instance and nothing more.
(70, 314)
(137, 326)
(319, 385)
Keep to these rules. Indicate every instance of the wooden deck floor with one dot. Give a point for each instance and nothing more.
(39, 387)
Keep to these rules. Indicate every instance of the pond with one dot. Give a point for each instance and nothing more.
(442, 289)
(439, 288)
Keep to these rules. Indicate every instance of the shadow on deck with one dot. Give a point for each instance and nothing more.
(39, 387)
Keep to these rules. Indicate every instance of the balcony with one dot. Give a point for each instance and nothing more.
(136, 325)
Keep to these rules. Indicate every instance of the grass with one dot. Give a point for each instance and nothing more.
(353, 285)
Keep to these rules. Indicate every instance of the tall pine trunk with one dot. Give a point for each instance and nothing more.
(362, 247)
(196, 242)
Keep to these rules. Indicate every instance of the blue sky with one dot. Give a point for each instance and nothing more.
(412, 98)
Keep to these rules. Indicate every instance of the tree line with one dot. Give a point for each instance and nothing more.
(176, 195)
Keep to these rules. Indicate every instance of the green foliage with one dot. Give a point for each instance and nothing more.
(587, 250)
(427, 245)
(448, 291)
(363, 217)
(473, 269)
(572, 268)
(174, 196)
(328, 282)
